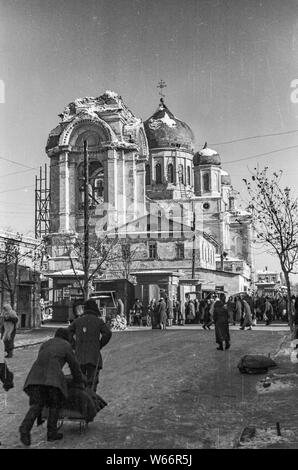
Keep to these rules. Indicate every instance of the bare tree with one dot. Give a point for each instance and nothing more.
(14, 253)
(127, 256)
(102, 252)
(275, 221)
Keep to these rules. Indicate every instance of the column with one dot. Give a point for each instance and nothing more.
(140, 188)
(121, 188)
(63, 192)
(111, 188)
(72, 192)
(130, 182)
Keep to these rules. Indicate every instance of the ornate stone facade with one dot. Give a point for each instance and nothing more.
(134, 167)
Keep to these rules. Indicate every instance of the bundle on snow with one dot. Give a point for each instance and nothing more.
(255, 364)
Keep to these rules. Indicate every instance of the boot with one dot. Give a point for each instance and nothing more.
(27, 424)
(220, 347)
(53, 434)
(228, 345)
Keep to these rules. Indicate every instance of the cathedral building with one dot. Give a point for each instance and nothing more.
(149, 185)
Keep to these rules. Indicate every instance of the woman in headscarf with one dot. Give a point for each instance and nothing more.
(8, 329)
(221, 321)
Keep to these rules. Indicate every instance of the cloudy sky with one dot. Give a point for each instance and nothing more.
(231, 68)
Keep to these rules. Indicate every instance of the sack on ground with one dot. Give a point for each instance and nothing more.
(255, 364)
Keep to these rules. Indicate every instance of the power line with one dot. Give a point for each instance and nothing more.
(17, 163)
(261, 154)
(18, 172)
(254, 137)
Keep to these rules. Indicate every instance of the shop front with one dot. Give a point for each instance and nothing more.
(66, 289)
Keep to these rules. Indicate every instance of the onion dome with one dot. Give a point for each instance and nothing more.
(206, 156)
(163, 129)
(225, 178)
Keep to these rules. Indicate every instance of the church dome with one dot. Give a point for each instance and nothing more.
(225, 178)
(206, 156)
(163, 129)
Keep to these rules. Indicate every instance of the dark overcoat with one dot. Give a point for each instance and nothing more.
(90, 335)
(162, 312)
(170, 310)
(47, 369)
(221, 321)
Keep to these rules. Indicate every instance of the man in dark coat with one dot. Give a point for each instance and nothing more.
(46, 384)
(162, 312)
(91, 335)
(221, 321)
(170, 312)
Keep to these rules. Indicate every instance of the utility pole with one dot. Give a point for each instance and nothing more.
(86, 221)
(193, 243)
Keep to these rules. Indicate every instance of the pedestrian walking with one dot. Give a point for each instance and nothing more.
(268, 312)
(120, 307)
(176, 308)
(191, 311)
(8, 329)
(260, 305)
(162, 312)
(6, 376)
(138, 312)
(197, 310)
(238, 311)
(42, 310)
(181, 315)
(231, 309)
(77, 309)
(202, 307)
(153, 312)
(221, 322)
(207, 319)
(247, 317)
(103, 312)
(46, 385)
(170, 312)
(90, 334)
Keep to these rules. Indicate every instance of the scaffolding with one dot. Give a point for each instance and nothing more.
(42, 204)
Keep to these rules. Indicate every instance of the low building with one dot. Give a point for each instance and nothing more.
(20, 277)
(270, 283)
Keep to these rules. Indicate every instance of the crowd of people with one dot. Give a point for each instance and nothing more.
(244, 310)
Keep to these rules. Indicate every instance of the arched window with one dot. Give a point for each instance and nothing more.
(180, 173)
(171, 224)
(170, 173)
(188, 175)
(158, 173)
(206, 182)
(159, 224)
(182, 221)
(148, 175)
(95, 186)
(148, 226)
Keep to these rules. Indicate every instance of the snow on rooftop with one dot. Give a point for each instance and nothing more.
(168, 121)
(208, 152)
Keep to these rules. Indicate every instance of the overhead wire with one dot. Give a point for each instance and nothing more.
(30, 168)
(255, 137)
